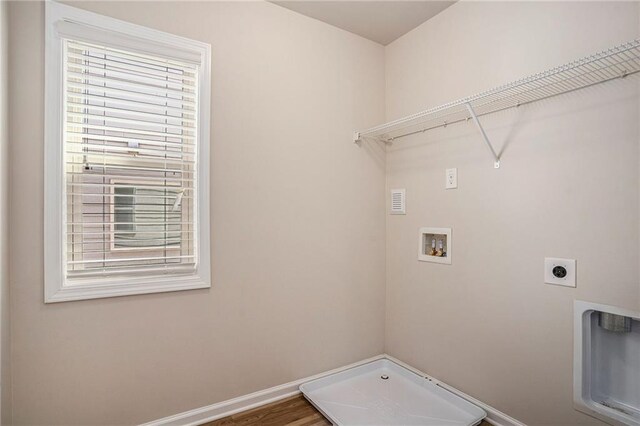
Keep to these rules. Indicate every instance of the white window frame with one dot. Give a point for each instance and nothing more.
(103, 29)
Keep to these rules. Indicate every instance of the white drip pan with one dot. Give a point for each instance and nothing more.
(384, 393)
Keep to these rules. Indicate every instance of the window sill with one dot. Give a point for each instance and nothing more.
(149, 285)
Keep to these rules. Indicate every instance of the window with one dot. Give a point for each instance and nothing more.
(126, 169)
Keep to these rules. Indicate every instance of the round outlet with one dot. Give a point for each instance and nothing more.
(559, 271)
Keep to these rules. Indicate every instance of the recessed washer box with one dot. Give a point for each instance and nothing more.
(434, 245)
(606, 363)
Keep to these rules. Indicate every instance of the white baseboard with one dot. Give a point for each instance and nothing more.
(229, 407)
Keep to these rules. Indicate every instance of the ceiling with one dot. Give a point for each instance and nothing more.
(380, 21)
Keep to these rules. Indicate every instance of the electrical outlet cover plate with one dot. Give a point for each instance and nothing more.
(451, 176)
(565, 271)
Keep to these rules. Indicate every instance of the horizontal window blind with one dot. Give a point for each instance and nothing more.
(130, 162)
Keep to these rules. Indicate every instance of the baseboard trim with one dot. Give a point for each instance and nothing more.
(232, 406)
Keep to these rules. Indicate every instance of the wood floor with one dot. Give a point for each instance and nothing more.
(294, 411)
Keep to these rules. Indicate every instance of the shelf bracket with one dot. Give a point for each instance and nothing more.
(496, 157)
(356, 138)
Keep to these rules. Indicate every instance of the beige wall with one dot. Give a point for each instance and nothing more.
(5, 365)
(297, 228)
(568, 187)
(298, 216)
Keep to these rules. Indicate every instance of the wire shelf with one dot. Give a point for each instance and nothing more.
(617, 62)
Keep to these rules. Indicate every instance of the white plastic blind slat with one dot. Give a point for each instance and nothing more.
(153, 125)
(130, 162)
(130, 93)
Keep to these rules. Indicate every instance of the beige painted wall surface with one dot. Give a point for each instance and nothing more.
(5, 340)
(297, 228)
(568, 187)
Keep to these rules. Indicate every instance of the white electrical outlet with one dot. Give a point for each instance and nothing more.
(560, 271)
(451, 179)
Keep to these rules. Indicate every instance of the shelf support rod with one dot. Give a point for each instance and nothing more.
(496, 157)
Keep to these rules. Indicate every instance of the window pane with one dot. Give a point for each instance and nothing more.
(130, 158)
(158, 222)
